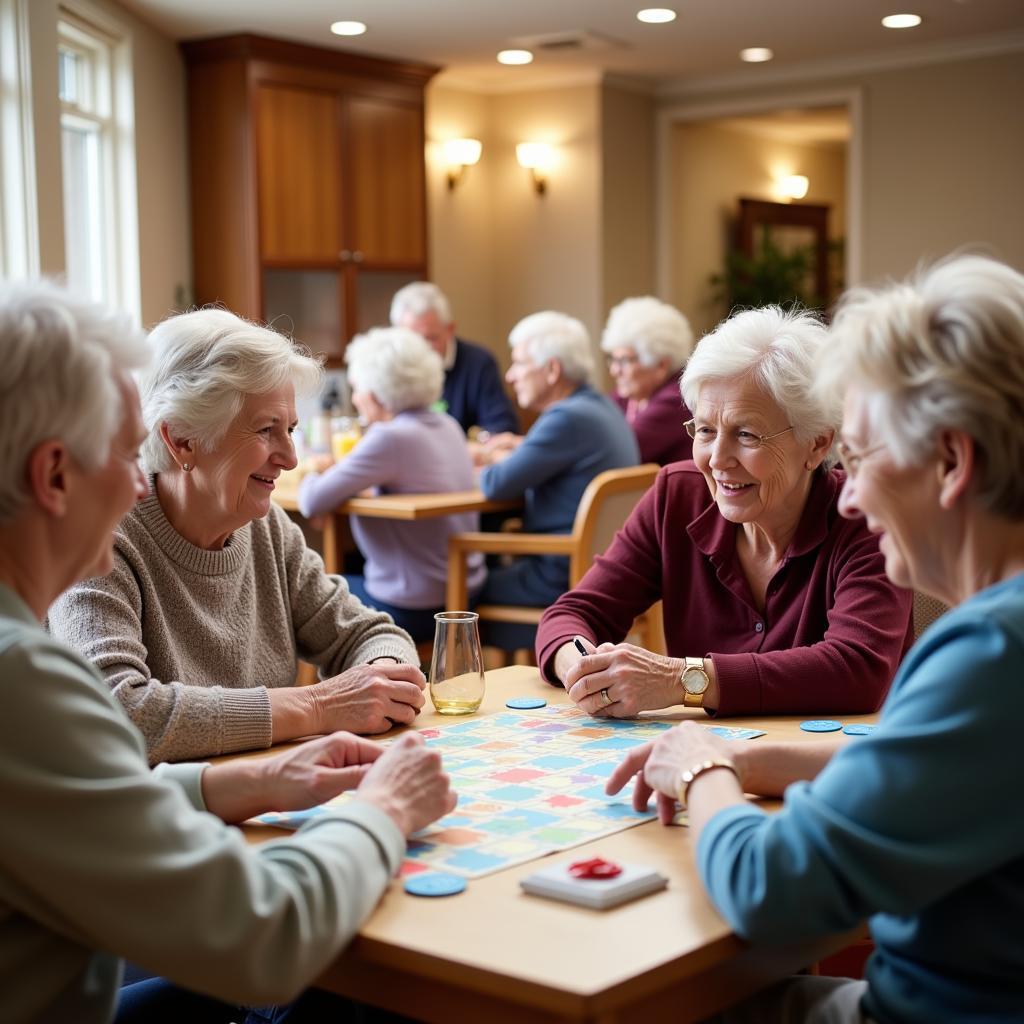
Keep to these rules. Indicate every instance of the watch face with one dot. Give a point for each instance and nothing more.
(695, 680)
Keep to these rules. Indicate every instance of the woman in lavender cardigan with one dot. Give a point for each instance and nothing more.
(408, 449)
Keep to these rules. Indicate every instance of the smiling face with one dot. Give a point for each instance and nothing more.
(900, 504)
(632, 379)
(234, 483)
(765, 485)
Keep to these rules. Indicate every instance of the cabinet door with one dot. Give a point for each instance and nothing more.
(386, 161)
(299, 171)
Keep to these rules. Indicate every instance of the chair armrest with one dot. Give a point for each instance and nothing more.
(462, 544)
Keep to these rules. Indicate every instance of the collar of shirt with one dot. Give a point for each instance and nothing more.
(449, 356)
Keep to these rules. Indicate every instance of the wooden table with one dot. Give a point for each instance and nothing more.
(496, 955)
(392, 506)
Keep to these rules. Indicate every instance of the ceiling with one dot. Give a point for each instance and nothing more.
(463, 36)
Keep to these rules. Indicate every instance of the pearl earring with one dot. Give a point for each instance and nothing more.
(186, 467)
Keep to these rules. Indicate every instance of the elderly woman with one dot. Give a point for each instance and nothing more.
(915, 827)
(213, 594)
(578, 434)
(647, 343)
(408, 449)
(108, 859)
(773, 603)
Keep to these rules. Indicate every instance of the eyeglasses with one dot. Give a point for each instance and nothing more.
(744, 438)
(630, 360)
(852, 460)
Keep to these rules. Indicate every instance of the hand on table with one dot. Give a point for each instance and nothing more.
(304, 776)
(408, 784)
(633, 678)
(659, 765)
(367, 698)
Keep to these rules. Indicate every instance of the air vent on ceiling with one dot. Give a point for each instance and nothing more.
(580, 41)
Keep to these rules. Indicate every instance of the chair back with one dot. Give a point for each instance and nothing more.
(926, 610)
(606, 504)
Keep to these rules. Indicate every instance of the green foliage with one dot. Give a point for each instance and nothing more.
(772, 276)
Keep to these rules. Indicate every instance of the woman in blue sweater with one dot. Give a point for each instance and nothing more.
(917, 826)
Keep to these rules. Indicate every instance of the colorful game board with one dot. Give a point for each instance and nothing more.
(529, 783)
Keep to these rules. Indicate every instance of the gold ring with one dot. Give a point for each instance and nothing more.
(604, 696)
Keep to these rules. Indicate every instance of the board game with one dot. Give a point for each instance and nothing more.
(529, 782)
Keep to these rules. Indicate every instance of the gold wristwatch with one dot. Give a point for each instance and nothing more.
(694, 681)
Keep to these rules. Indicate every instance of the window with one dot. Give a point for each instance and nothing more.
(98, 154)
(19, 243)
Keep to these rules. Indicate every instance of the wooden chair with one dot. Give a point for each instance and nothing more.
(606, 504)
(926, 610)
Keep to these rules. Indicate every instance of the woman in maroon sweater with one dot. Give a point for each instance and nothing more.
(647, 343)
(773, 602)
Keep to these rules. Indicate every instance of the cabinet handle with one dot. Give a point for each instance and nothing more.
(357, 257)
(344, 255)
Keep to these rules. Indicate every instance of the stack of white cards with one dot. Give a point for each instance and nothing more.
(556, 883)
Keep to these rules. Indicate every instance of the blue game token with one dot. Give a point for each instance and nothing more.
(858, 730)
(821, 725)
(526, 703)
(435, 884)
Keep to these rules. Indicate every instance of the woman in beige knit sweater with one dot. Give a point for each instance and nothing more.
(214, 595)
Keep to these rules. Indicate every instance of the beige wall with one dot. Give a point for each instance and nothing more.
(161, 175)
(713, 166)
(500, 250)
(942, 148)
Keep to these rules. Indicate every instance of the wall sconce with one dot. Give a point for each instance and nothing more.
(792, 186)
(460, 154)
(538, 158)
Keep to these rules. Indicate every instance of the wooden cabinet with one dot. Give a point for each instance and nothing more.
(308, 184)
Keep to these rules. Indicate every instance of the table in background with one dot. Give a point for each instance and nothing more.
(392, 506)
(497, 955)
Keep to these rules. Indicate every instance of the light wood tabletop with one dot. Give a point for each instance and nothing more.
(497, 955)
(391, 506)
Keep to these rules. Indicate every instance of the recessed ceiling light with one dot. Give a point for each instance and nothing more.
(515, 57)
(756, 54)
(656, 15)
(902, 20)
(348, 28)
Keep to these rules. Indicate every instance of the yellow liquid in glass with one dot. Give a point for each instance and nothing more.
(342, 444)
(455, 707)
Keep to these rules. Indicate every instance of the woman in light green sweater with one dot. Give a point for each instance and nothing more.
(107, 859)
(214, 595)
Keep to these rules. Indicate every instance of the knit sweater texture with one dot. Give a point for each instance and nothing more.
(190, 640)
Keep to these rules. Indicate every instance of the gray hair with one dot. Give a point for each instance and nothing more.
(778, 349)
(551, 335)
(62, 355)
(943, 350)
(206, 363)
(654, 329)
(397, 365)
(419, 298)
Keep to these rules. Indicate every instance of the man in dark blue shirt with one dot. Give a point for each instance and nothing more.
(473, 391)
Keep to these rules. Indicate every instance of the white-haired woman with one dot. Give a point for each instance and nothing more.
(647, 343)
(108, 859)
(578, 434)
(408, 449)
(916, 827)
(773, 603)
(214, 594)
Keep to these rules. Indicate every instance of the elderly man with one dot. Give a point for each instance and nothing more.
(578, 434)
(472, 394)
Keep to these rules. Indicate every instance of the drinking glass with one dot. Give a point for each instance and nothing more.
(345, 434)
(457, 667)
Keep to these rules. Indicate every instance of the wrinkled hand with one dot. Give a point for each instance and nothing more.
(658, 765)
(301, 777)
(367, 698)
(634, 678)
(407, 783)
